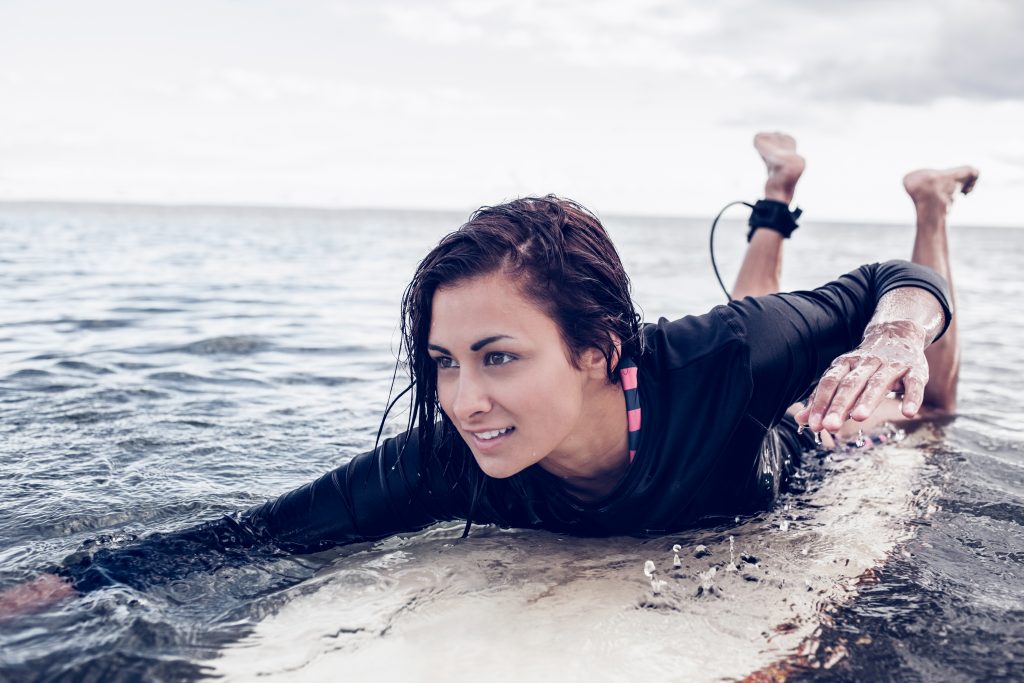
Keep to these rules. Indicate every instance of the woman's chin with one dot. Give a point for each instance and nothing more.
(497, 470)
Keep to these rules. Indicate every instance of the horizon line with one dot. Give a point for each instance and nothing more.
(185, 206)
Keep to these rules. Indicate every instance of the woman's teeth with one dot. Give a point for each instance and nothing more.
(492, 434)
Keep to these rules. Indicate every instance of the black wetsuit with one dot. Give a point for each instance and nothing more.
(712, 388)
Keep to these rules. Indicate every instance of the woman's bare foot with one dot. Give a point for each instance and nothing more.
(784, 165)
(929, 186)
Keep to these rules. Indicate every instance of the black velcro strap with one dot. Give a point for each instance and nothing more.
(773, 215)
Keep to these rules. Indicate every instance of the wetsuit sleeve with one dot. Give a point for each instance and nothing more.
(794, 337)
(386, 491)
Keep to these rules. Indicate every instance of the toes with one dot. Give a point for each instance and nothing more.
(968, 179)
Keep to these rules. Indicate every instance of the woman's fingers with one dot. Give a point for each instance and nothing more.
(913, 391)
(847, 393)
(854, 389)
(838, 388)
(856, 382)
(821, 398)
(875, 391)
(856, 392)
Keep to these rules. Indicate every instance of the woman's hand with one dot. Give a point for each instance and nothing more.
(890, 358)
(34, 595)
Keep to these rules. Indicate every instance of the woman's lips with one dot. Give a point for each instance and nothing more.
(489, 439)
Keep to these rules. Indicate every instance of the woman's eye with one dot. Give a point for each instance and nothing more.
(445, 362)
(499, 358)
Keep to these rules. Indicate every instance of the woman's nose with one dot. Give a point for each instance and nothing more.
(471, 397)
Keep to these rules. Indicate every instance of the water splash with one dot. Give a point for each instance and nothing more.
(650, 571)
(707, 582)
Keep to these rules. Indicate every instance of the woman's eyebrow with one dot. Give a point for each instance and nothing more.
(487, 340)
(476, 346)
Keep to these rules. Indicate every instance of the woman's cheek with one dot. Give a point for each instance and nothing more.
(444, 393)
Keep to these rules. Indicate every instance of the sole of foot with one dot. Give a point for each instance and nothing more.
(929, 184)
(785, 166)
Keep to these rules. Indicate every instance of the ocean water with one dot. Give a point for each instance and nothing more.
(164, 366)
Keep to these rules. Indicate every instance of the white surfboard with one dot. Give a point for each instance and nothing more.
(522, 605)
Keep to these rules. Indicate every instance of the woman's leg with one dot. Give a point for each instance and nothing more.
(762, 264)
(932, 193)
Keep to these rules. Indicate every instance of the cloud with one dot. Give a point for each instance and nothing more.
(642, 34)
(912, 52)
(971, 51)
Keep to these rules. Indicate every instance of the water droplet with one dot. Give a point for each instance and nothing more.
(707, 581)
(860, 439)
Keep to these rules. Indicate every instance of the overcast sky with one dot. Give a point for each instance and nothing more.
(630, 106)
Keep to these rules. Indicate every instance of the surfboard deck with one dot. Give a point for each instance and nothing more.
(526, 605)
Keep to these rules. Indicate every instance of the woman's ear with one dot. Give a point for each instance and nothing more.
(595, 362)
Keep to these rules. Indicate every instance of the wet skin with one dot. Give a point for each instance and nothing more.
(502, 366)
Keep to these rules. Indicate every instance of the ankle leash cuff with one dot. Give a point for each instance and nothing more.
(768, 213)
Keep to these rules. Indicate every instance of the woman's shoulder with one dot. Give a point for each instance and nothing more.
(693, 339)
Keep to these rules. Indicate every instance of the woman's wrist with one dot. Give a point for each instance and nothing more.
(898, 332)
(909, 312)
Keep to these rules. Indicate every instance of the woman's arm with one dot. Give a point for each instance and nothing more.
(887, 312)
(392, 489)
(890, 357)
(389, 490)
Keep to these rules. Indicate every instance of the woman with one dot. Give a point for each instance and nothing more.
(539, 400)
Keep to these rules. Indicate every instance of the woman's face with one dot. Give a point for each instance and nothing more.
(504, 377)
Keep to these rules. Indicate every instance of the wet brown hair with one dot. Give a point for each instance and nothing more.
(562, 259)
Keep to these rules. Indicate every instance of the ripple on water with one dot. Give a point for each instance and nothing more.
(146, 309)
(1001, 511)
(201, 424)
(29, 374)
(228, 345)
(70, 325)
(305, 378)
(187, 378)
(84, 367)
(124, 365)
(41, 381)
(129, 395)
(92, 416)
